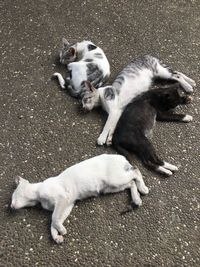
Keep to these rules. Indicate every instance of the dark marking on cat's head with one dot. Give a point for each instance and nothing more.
(91, 47)
(109, 93)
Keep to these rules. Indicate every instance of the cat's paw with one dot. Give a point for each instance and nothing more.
(188, 88)
(192, 82)
(145, 190)
(63, 231)
(137, 202)
(187, 118)
(101, 140)
(109, 141)
(59, 239)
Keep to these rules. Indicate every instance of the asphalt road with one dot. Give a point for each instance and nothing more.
(43, 130)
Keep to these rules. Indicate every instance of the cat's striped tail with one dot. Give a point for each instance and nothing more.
(60, 79)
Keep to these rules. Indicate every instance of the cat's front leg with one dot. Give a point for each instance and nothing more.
(60, 213)
(109, 128)
(112, 129)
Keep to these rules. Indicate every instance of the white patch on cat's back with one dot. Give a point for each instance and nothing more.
(133, 87)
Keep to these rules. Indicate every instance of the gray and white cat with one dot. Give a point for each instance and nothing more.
(85, 61)
(133, 80)
(101, 174)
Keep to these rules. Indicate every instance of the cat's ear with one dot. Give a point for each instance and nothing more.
(65, 42)
(89, 86)
(19, 179)
(72, 51)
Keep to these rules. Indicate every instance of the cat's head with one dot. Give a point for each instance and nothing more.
(21, 196)
(169, 98)
(90, 98)
(68, 52)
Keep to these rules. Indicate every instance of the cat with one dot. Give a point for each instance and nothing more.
(101, 174)
(135, 78)
(85, 61)
(137, 120)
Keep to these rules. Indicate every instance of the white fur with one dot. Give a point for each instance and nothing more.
(187, 118)
(164, 171)
(167, 168)
(101, 174)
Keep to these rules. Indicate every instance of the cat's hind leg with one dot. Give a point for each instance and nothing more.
(189, 80)
(168, 116)
(142, 188)
(135, 194)
(186, 85)
(146, 152)
(164, 72)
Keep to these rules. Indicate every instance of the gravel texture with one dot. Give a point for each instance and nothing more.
(43, 130)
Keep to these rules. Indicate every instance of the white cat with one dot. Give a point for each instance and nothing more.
(85, 61)
(100, 174)
(133, 80)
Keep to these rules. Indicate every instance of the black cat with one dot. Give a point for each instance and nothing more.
(136, 123)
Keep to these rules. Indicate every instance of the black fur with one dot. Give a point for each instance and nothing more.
(91, 47)
(137, 121)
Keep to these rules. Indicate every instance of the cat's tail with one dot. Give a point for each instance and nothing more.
(61, 80)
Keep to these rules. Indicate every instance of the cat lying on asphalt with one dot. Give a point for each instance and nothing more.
(85, 61)
(101, 174)
(136, 124)
(134, 79)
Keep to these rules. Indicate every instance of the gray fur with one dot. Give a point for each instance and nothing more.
(109, 93)
(128, 167)
(94, 73)
(88, 60)
(98, 55)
